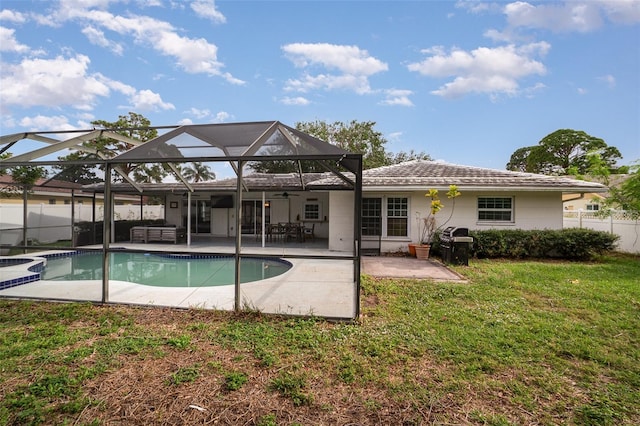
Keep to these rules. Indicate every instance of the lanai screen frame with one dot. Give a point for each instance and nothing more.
(319, 151)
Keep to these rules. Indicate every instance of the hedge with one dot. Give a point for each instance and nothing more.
(570, 243)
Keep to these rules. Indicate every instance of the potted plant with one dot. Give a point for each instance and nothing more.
(428, 224)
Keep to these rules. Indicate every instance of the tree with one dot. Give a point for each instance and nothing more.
(357, 137)
(22, 176)
(627, 195)
(402, 156)
(197, 172)
(562, 151)
(134, 126)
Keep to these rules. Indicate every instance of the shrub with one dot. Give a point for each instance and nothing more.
(571, 243)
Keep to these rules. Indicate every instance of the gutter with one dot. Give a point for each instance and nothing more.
(505, 188)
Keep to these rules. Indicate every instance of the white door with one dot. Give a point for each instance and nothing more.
(220, 222)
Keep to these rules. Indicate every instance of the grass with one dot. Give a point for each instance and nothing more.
(521, 343)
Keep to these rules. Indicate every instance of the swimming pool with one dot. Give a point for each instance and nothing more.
(163, 270)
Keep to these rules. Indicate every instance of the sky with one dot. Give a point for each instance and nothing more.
(467, 82)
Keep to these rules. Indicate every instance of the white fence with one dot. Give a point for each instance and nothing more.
(617, 223)
(49, 223)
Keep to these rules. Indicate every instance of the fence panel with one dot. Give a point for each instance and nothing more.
(618, 223)
(48, 223)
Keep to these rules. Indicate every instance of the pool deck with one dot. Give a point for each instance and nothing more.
(313, 286)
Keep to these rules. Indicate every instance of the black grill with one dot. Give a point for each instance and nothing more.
(455, 245)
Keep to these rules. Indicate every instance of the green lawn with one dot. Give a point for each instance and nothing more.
(522, 342)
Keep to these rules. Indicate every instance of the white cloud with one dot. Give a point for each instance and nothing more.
(51, 82)
(8, 42)
(146, 100)
(483, 70)
(12, 16)
(192, 55)
(348, 59)
(354, 66)
(199, 113)
(397, 97)
(222, 116)
(567, 17)
(39, 122)
(621, 11)
(394, 136)
(299, 100)
(98, 38)
(206, 114)
(572, 16)
(581, 91)
(609, 80)
(66, 81)
(207, 9)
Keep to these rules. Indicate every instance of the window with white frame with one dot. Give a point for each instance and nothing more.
(312, 211)
(593, 207)
(495, 209)
(387, 217)
(397, 216)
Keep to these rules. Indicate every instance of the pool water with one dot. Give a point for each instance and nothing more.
(162, 270)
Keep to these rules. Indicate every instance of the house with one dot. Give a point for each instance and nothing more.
(393, 200)
(591, 201)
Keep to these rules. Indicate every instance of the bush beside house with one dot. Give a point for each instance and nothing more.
(572, 243)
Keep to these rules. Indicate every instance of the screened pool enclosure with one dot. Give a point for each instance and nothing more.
(140, 199)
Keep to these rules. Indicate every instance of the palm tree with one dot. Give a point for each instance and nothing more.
(197, 172)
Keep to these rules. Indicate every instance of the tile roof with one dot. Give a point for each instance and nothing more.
(422, 174)
(416, 175)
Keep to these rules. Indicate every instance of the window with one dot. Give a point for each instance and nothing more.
(397, 217)
(495, 209)
(52, 200)
(312, 211)
(593, 207)
(391, 221)
(371, 216)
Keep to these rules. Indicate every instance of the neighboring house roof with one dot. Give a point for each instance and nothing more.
(422, 174)
(52, 187)
(44, 185)
(613, 181)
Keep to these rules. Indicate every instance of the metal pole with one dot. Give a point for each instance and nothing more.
(106, 233)
(24, 218)
(73, 218)
(238, 235)
(189, 219)
(357, 233)
(264, 215)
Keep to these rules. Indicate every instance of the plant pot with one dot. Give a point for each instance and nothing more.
(412, 249)
(422, 251)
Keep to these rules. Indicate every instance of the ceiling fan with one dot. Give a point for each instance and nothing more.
(285, 195)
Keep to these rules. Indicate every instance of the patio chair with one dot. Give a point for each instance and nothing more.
(293, 232)
(308, 233)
